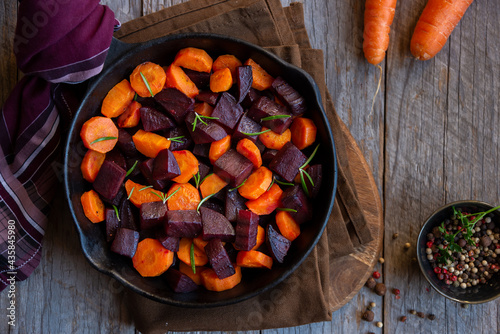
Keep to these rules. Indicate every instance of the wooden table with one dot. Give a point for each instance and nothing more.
(432, 138)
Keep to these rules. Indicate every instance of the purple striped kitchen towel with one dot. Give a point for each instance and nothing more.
(57, 42)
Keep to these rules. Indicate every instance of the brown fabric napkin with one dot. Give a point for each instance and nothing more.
(304, 296)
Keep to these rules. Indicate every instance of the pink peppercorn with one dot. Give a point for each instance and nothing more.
(376, 274)
(437, 270)
(429, 244)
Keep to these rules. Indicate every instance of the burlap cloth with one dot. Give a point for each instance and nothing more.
(303, 297)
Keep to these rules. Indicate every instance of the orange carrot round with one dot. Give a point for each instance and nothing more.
(287, 225)
(267, 202)
(261, 237)
(117, 99)
(212, 184)
(186, 198)
(227, 61)
(139, 194)
(188, 164)
(213, 283)
(91, 164)
(261, 79)
(218, 148)
(256, 184)
(221, 80)
(99, 134)
(275, 141)
(176, 78)
(184, 253)
(149, 143)
(194, 59)
(153, 75)
(249, 150)
(303, 132)
(131, 117)
(435, 25)
(93, 208)
(378, 19)
(203, 109)
(151, 258)
(253, 259)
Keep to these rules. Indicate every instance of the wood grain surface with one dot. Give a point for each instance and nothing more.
(431, 138)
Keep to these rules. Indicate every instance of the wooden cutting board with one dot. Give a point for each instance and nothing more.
(354, 269)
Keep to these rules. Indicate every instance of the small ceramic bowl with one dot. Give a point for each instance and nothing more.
(477, 294)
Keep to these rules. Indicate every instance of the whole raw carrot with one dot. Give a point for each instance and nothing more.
(435, 25)
(378, 19)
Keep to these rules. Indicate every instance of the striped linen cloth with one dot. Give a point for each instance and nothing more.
(57, 42)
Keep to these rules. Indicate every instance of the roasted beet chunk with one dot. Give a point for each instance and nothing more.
(201, 150)
(182, 143)
(183, 223)
(203, 169)
(252, 96)
(112, 224)
(200, 79)
(125, 242)
(246, 230)
(233, 167)
(117, 157)
(152, 214)
(165, 167)
(216, 226)
(153, 120)
(180, 282)
(234, 203)
(208, 97)
(268, 156)
(219, 260)
(175, 103)
(146, 168)
(109, 180)
(127, 215)
(295, 198)
(126, 144)
(227, 110)
(277, 244)
(265, 107)
(204, 132)
(246, 125)
(244, 81)
(289, 96)
(287, 161)
(117, 199)
(316, 173)
(170, 243)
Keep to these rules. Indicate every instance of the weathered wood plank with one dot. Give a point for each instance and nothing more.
(151, 6)
(8, 77)
(125, 10)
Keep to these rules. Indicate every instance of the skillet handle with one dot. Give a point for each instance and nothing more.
(116, 50)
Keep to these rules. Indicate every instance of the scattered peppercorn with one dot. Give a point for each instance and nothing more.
(372, 304)
(381, 260)
(431, 316)
(421, 314)
(407, 245)
(379, 324)
(370, 283)
(380, 289)
(403, 318)
(398, 297)
(413, 312)
(368, 316)
(376, 274)
(396, 291)
(395, 235)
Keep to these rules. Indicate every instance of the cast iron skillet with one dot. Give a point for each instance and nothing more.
(121, 60)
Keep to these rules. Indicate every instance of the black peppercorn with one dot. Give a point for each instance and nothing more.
(380, 289)
(368, 315)
(431, 316)
(421, 314)
(370, 283)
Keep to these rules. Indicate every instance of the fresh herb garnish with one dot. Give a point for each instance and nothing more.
(203, 201)
(242, 183)
(163, 197)
(116, 211)
(255, 133)
(131, 191)
(196, 178)
(176, 139)
(135, 97)
(146, 187)
(102, 139)
(131, 168)
(303, 172)
(191, 257)
(147, 84)
(283, 183)
(286, 209)
(272, 182)
(270, 118)
(198, 117)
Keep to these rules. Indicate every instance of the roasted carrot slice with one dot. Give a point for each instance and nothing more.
(211, 282)
(221, 80)
(261, 237)
(203, 109)
(99, 134)
(267, 202)
(188, 164)
(153, 75)
(253, 259)
(194, 59)
(131, 117)
(287, 225)
(139, 194)
(227, 61)
(176, 78)
(151, 258)
(117, 99)
(303, 132)
(149, 143)
(261, 79)
(91, 164)
(199, 242)
(256, 184)
(218, 148)
(212, 184)
(184, 253)
(186, 198)
(274, 141)
(187, 270)
(249, 150)
(93, 208)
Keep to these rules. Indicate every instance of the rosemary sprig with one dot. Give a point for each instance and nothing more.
(203, 201)
(165, 198)
(255, 133)
(102, 139)
(116, 212)
(284, 183)
(272, 182)
(131, 191)
(196, 178)
(242, 183)
(176, 139)
(132, 168)
(198, 117)
(270, 118)
(147, 84)
(146, 187)
(303, 172)
(135, 97)
(286, 209)
(191, 257)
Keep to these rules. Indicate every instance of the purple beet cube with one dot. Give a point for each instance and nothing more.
(316, 173)
(183, 223)
(233, 167)
(182, 143)
(176, 103)
(180, 282)
(170, 243)
(112, 224)
(152, 214)
(227, 110)
(219, 259)
(117, 157)
(244, 80)
(246, 125)
(252, 96)
(246, 230)
(295, 198)
(204, 132)
(216, 226)
(125, 242)
(200, 79)
(203, 169)
(165, 166)
(208, 97)
(153, 120)
(126, 144)
(117, 199)
(146, 168)
(109, 180)
(287, 161)
(127, 215)
(201, 150)
(289, 96)
(265, 107)
(268, 156)
(277, 244)
(234, 203)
